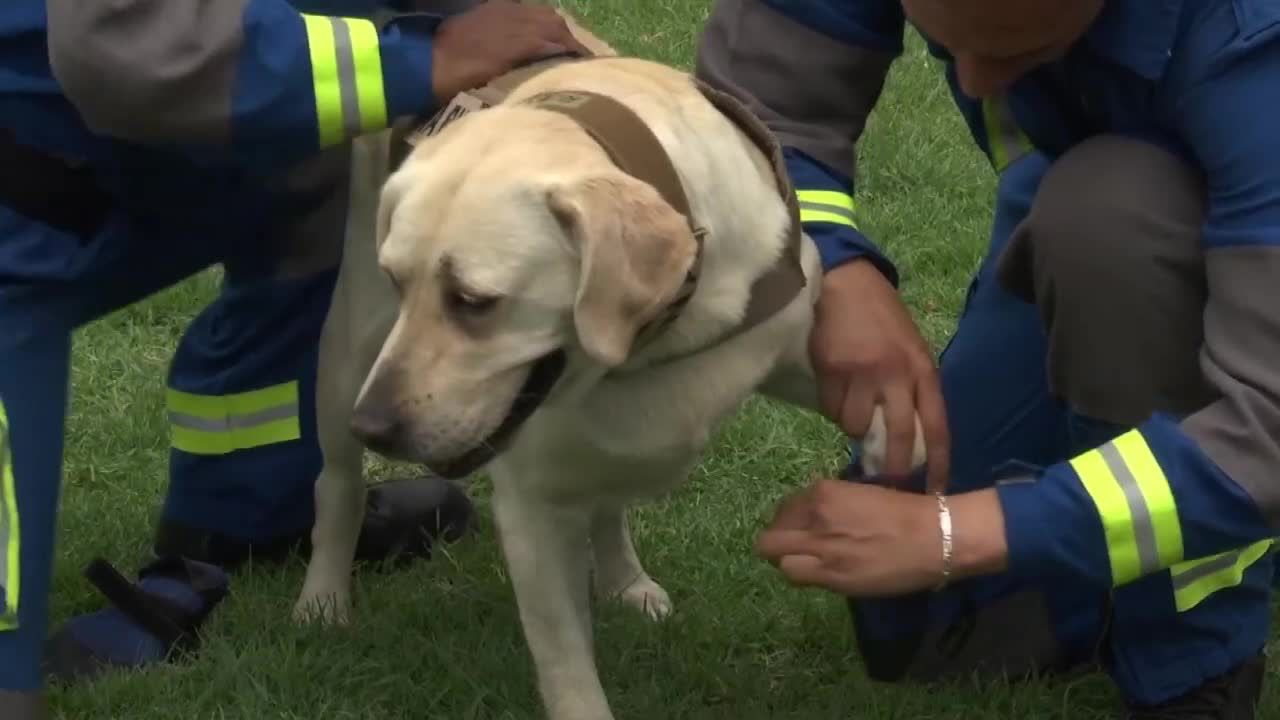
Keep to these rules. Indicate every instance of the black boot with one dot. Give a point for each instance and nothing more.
(1232, 696)
(403, 519)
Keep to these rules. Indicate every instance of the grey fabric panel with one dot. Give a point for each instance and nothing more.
(22, 705)
(1111, 255)
(815, 93)
(149, 70)
(1241, 359)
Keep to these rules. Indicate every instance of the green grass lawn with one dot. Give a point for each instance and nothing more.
(441, 639)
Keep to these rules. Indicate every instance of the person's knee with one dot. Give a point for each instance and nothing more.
(1111, 255)
(1104, 211)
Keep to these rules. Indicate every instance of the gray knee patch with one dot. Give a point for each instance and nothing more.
(1111, 255)
(1103, 210)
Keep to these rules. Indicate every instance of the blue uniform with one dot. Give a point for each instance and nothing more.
(1171, 517)
(217, 133)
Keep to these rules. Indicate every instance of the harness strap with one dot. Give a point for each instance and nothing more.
(774, 290)
(633, 147)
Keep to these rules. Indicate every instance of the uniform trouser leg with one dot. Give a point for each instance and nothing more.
(33, 401)
(241, 387)
(1111, 239)
(244, 454)
(1112, 257)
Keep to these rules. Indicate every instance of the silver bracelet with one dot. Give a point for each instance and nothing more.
(944, 524)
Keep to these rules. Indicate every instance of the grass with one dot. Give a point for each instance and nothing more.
(441, 639)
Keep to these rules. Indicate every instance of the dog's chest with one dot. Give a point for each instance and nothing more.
(575, 456)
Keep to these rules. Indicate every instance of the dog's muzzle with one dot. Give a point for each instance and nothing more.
(543, 376)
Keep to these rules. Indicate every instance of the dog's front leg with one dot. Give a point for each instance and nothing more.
(340, 499)
(618, 570)
(340, 488)
(547, 555)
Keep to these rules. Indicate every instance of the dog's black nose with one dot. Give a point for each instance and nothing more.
(380, 432)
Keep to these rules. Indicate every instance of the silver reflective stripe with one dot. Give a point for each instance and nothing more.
(346, 76)
(1144, 533)
(843, 212)
(234, 422)
(1181, 580)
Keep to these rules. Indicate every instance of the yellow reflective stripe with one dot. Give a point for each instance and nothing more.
(826, 197)
(826, 206)
(10, 544)
(808, 215)
(217, 425)
(1138, 512)
(1005, 141)
(346, 71)
(370, 90)
(324, 79)
(1196, 580)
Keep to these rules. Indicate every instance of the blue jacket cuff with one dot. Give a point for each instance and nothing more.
(1052, 530)
(838, 245)
(407, 66)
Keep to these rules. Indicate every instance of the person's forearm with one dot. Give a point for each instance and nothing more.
(978, 534)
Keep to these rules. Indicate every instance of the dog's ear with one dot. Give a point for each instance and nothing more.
(634, 253)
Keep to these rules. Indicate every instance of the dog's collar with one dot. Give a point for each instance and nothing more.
(634, 148)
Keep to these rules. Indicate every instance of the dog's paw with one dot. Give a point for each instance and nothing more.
(329, 608)
(648, 597)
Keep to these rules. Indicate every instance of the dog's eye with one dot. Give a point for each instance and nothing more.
(469, 304)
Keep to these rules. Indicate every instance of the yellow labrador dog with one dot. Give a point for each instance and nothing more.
(570, 289)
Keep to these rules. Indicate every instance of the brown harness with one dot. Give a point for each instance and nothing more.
(634, 148)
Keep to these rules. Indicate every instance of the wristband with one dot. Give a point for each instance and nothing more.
(944, 526)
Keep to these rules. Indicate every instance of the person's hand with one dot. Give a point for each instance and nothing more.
(472, 48)
(864, 540)
(867, 352)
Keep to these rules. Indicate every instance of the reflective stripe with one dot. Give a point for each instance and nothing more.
(1005, 140)
(1136, 505)
(346, 70)
(826, 206)
(217, 425)
(10, 575)
(1198, 579)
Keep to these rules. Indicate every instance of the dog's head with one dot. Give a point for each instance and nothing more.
(519, 253)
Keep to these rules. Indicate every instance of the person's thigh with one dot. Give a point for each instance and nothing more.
(50, 279)
(999, 408)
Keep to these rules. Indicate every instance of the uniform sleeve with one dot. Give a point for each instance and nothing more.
(1198, 495)
(812, 71)
(256, 76)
